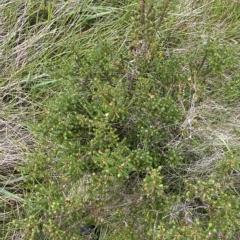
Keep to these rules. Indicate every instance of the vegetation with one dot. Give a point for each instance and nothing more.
(120, 117)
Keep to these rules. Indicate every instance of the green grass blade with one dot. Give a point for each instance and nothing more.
(8, 194)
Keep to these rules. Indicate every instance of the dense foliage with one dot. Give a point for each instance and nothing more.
(115, 125)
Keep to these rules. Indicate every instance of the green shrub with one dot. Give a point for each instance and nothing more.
(107, 141)
(112, 120)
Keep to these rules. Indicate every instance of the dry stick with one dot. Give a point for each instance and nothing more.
(143, 8)
(159, 22)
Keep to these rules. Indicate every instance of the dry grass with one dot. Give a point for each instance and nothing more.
(213, 125)
(15, 140)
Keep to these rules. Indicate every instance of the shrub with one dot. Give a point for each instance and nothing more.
(107, 141)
